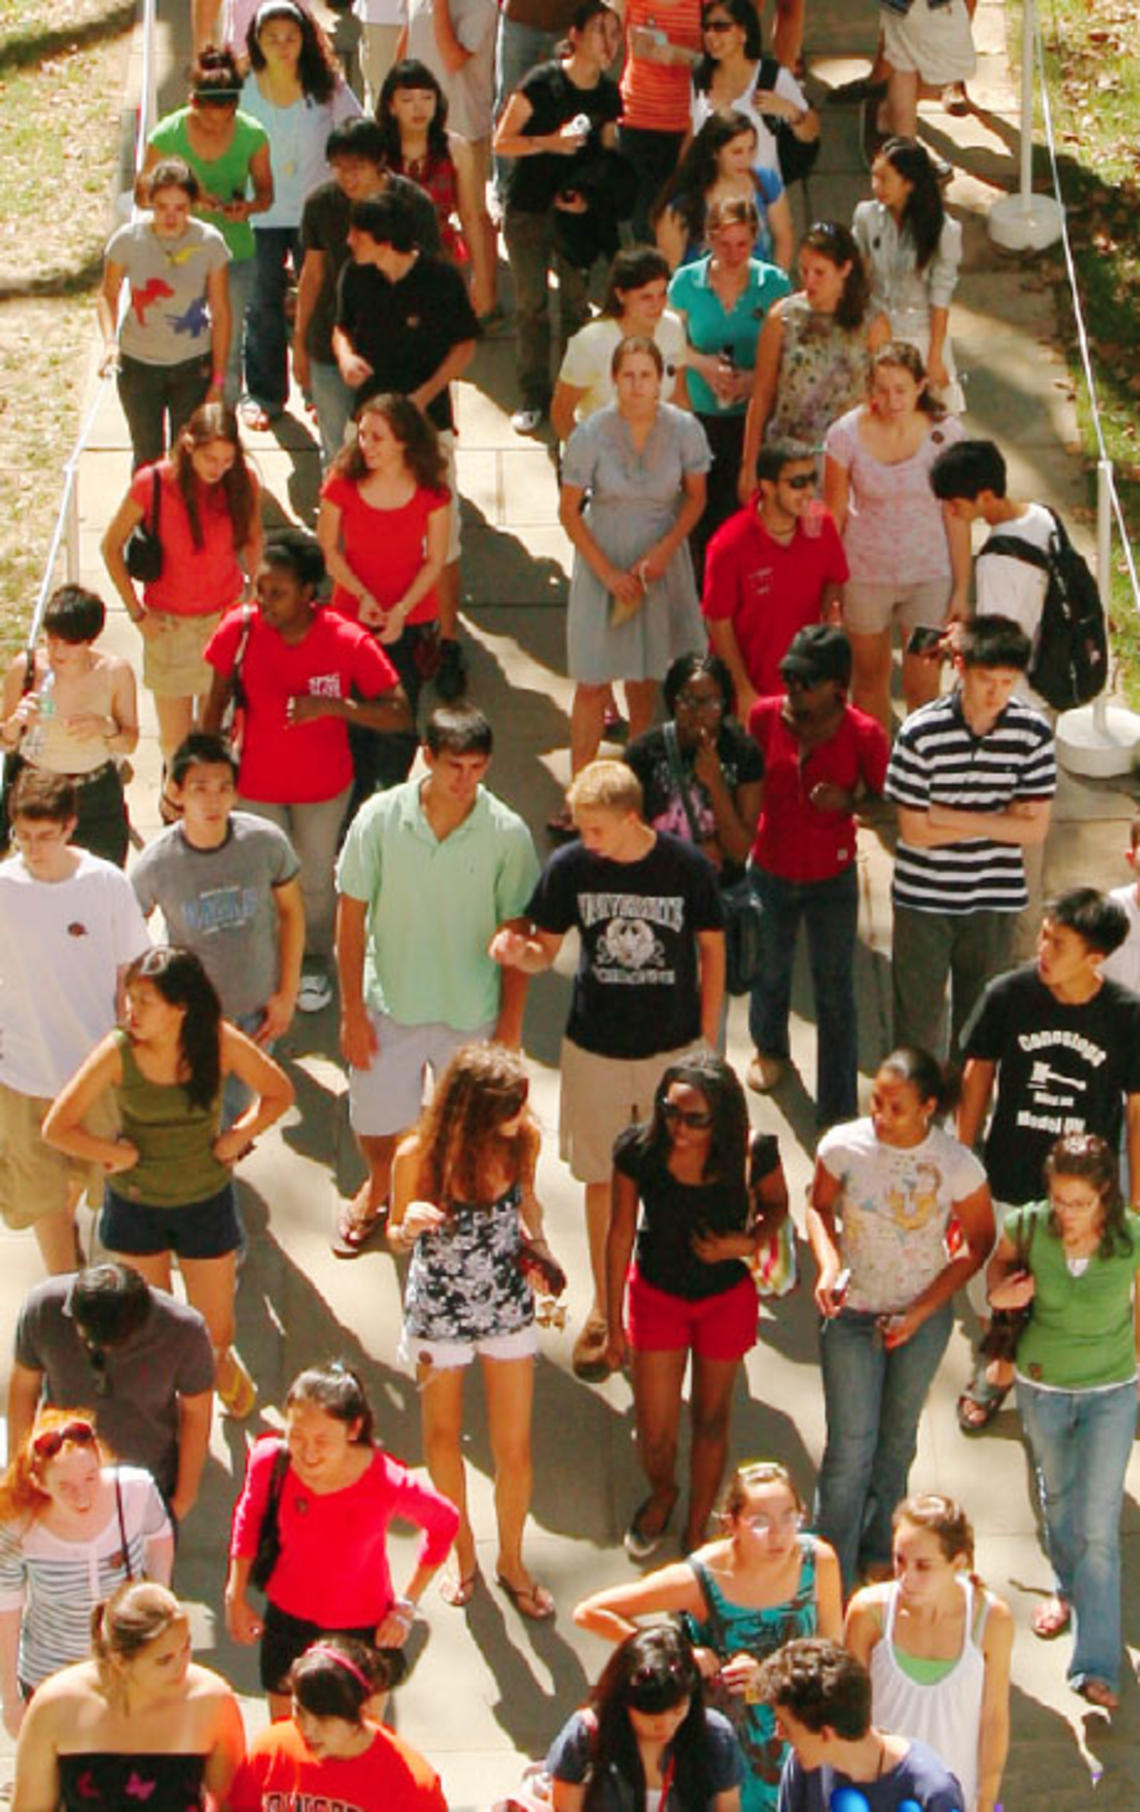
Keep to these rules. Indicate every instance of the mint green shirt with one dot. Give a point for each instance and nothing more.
(1080, 1334)
(434, 906)
(226, 176)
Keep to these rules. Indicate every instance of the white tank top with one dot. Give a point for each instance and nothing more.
(948, 1714)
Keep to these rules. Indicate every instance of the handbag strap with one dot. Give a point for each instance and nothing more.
(123, 1543)
(673, 757)
(277, 1480)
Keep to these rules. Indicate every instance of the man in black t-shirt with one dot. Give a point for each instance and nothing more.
(1062, 1045)
(648, 988)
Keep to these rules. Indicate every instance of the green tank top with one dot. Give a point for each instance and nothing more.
(174, 1140)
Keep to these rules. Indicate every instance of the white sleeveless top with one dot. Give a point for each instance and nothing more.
(946, 1715)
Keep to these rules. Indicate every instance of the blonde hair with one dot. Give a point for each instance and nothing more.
(606, 786)
(131, 1619)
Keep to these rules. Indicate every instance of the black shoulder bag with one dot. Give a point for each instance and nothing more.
(1008, 1325)
(269, 1536)
(143, 552)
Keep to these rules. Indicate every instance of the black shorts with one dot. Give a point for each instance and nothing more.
(284, 1639)
(207, 1229)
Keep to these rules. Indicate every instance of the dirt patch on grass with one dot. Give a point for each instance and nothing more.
(63, 66)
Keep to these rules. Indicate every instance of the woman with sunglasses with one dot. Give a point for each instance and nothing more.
(462, 1200)
(689, 1289)
(137, 1724)
(741, 1597)
(645, 1737)
(814, 351)
(729, 75)
(73, 1526)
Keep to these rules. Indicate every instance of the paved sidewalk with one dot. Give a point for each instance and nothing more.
(491, 1688)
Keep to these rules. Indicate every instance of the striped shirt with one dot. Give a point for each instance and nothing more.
(938, 760)
(57, 1583)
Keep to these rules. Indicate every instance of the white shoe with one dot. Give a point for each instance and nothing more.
(315, 992)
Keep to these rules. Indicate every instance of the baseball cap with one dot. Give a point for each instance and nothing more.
(819, 652)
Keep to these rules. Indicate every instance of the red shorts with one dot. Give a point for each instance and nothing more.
(715, 1327)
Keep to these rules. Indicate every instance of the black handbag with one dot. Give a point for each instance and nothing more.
(269, 1536)
(743, 921)
(143, 552)
(797, 156)
(1008, 1325)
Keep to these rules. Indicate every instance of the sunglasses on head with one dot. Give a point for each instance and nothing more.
(684, 1116)
(45, 1446)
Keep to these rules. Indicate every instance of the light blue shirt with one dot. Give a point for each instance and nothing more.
(297, 138)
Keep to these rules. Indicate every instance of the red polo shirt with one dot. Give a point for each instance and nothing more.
(793, 839)
(769, 591)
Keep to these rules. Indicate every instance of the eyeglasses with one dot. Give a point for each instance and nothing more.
(683, 1116)
(792, 1521)
(45, 1446)
(98, 1360)
(718, 25)
(692, 702)
(803, 481)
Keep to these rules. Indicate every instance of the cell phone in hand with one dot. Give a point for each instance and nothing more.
(925, 641)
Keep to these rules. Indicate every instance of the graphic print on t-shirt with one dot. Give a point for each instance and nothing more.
(221, 909)
(1052, 1096)
(629, 951)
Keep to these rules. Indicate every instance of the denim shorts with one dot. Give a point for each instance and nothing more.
(206, 1229)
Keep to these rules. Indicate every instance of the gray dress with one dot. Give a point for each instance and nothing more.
(634, 499)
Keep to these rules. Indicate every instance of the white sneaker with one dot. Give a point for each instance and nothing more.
(315, 992)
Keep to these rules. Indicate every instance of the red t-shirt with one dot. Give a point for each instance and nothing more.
(793, 839)
(298, 764)
(280, 1774)
(195, 581)
(769, 591)
(385, 548)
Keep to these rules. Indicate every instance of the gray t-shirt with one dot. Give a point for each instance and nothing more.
(469, 90)
(170, 1357)
(167, 319)
(219, 904)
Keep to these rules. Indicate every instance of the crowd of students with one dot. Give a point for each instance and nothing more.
(760, 482)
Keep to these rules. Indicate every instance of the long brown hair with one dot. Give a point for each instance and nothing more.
(214, 421)
(23, 1493)
(461, 1147)
(411, 429)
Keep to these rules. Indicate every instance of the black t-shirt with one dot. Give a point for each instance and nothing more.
(533, 182)
(673, 1212)
(1061, 1069)
(324, 228)
(740, 759)
(636, 992)
(405, 330)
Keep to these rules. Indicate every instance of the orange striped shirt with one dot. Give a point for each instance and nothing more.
(656, 97)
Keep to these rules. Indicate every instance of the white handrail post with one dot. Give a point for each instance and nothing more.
(1103, 567)
(1026, 222)
(71, 504)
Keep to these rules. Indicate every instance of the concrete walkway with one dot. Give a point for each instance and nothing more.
(491, 1689)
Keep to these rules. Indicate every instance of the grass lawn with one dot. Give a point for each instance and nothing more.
(1093, 65)
(62, 72)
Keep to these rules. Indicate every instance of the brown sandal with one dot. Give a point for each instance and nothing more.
(354, 1233)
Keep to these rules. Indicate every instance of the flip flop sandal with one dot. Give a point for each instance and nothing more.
(985, 1397)
(1052, 1618)
(458, 1590)
(532, 1600)
(353, 1235)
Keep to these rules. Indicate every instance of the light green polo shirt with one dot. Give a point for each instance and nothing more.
(434, 906)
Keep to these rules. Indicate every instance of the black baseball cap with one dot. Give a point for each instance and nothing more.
(819, 652)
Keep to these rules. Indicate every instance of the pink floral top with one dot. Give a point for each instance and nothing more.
(895, 533)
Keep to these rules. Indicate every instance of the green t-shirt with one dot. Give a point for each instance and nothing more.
(227, 176)
(1080, 1334)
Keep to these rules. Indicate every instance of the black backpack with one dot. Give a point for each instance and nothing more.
(797, 159)
(1069, 663)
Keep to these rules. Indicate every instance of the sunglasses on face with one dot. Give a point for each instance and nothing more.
(718, 25)
(683, 1116)
(803, 481)
(45, 1446)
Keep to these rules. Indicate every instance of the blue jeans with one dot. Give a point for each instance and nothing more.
(831, 911)
(1081, 1442)
(267, 338)
(873, 1398)
(241, 279)
(333, 400)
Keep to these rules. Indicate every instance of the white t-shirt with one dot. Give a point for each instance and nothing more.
(1009, 587)
(470, 91)
(1123, 965)
(62, 944)
(895, 1205)
(586, 365)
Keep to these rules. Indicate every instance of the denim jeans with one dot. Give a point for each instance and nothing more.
(873, 1398)
(531, 252)
(333, 400)
(831, 911)
(1081, 1442)
(157, 396)
(267, 337)
(241, 277)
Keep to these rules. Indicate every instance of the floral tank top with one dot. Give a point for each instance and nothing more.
(824, 370)
(464, 1281)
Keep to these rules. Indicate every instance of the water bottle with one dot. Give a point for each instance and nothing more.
(726, 367)
(36, 737)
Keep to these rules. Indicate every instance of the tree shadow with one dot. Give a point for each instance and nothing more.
(76, 280)
(39, 44)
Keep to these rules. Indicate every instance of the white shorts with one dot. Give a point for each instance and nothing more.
(388, 1097)
(934, 42)
(414, 1352)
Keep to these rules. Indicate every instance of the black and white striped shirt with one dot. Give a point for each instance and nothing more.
(938, 760)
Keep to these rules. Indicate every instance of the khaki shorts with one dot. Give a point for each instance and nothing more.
(447, 442)
(35, 1180)
(934, 41)
(172, 658)
(870, 609)
(600, 1097)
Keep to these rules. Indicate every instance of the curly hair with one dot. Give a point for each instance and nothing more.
(1093, 1160)
(416, 435)
(698, 170)
(181, 980)
(22, 1490)
(210, 422)
(318, 70)
(460, 1147)
(652, 1671)
(409, 72)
